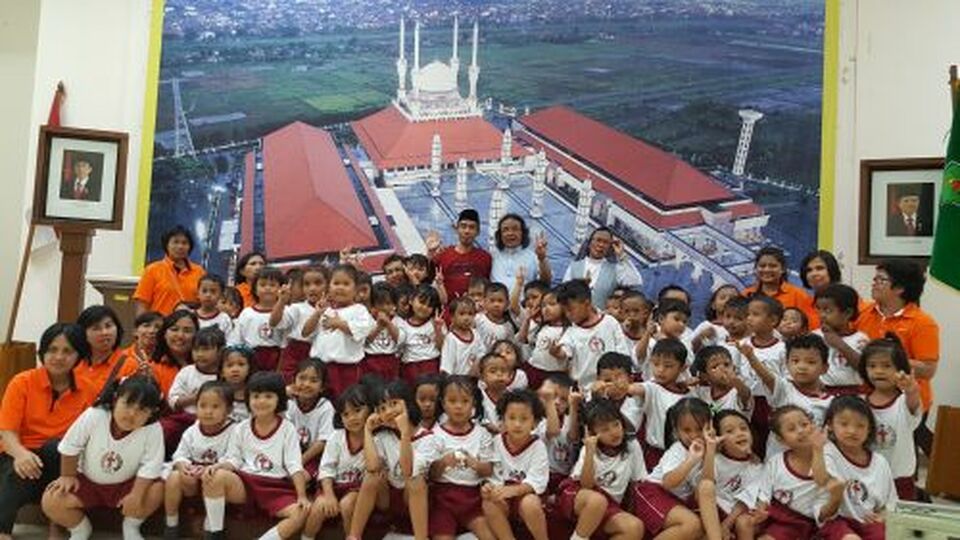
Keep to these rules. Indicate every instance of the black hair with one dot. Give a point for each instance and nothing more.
(672, 305)
(422, 261)
(232, 295)
(710, 312)
(210, 336)
(93, 315)
(315, 364)
(517, 351)
(888, 345)
(428, 295)
(485, 359)
(561, 379)
(356, 396)
(478, 281)
(672, 347)
(858, 405)
(466, 384)
(705, 354)
(772, 305)
(523, 396)
(162, 352)
(723, 414)
(392, 258)
(71, 332)
(220, 388)
(614, 360)
(630, 293)
(809, 342)
(695, 407)
(496, 287)
(584, 250)
(177, 230)
(382, 293)
(536, 285)
(268, 382)
(662, 295)
(601, 410)
(404, 290)
(147, 317)
(833, 267)
(213, 278)
(524, 231)
(267, 273)
(804, 320)
(399, 389)
(844, 296)
(430, 379)
(459, 301)
(906, 275)
(575, 290)
(738, 304)
(243, 351)
(294, 275)
(317, 269)
(777, 416)
(139, 390)
(776, 253)
(238, 276)
(363, 278)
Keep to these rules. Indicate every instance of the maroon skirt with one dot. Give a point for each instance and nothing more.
(94, 495)
(652, 503)
(269, 495)
(411, 371)
(566, 503)
(266, 358)
(387, 366)
(295, 352)
(453, 507)
(783, 523)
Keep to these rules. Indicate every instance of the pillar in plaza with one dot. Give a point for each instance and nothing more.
(749, 117)
(436, 150)
(582, 223)
(415, 74)
(460, 195)
(496, 212)
(402, 63)
(474, 71)
(506, 147)
(455, 57)
(539, 185)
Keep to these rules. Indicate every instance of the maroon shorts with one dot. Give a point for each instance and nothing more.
(850, 390)
(270, 495)
(342, 490)
(94, 495)
(266, 358)
(387, 366)
(761, 425)
(567, 498)
(652, 503)
(341, 376)
(399, 512)
(785, 524)
(295, 352)
(411, 371)
(173, 426)
(651, 455)
(311, 467)
(537, 376)
(453, 507)
(837, 528)
(906, 488)
(553, 486)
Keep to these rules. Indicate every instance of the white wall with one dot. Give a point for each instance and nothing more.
(894, 102)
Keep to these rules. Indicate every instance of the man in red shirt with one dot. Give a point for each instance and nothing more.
(459, 263)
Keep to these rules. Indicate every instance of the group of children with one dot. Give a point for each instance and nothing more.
(526, 412)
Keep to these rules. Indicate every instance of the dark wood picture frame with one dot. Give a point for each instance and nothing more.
(42, 179)
(867, 169)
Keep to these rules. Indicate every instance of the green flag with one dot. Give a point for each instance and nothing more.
(945, 262)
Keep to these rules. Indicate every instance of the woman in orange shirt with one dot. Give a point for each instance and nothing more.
(172, 281)
(246, 275)
(39, 405)
(174, 344)
(770, 266)
(103, 332)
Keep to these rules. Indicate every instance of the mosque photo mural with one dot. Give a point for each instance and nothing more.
(295, 128)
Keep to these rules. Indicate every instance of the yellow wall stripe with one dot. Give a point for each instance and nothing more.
(828, 122)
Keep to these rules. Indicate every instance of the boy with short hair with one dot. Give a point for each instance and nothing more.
(463, 261)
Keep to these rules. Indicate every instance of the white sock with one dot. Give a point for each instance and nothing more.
(576, 536)
(272, 534)
(82, 531)
(173, 521)
(131, 528)
(306, 537)
(215, 511)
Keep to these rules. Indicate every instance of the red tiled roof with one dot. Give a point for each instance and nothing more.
(657, 175)
(392, 141)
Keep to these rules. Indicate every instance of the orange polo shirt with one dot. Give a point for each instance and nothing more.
(918, 332)
(96, 375)
(164, 373)
(30, 410)
(246, 293)
(789, 295)
(163, 286)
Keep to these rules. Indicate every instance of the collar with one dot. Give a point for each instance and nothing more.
(907, 311)
(46, 385)
(173, 265)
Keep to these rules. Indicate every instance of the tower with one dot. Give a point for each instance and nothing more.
(402, 64)
(474, 71)
(415, 74)
(435, 155)
(749, 117)
(460, 194)
(506, 147)
(455, 58)
(539, 185)
(582, 222)
(183, 142)
(496, 212)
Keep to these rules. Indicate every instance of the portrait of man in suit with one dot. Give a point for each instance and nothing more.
(82, 178)
(912, 210)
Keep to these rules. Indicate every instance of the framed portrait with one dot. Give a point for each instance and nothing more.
(80, 178)
(898, 208)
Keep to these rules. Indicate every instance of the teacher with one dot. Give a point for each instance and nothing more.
(604, 264)
(172, 281)
(513, 255)
(246, 275)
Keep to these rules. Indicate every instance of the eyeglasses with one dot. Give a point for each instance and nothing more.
(881, 279)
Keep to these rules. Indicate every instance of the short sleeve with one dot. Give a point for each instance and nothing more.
(292, 458)
(13, 408)
(325, 425)
(426, 452)
(671, 459)
(234, 455)
(361, 324)
(925, 342)
(538, 476)
(577, 469)
(448, 356)
(75, 440)
(639, 470)
(184, 450)
(146, 286)
(487, 453)
(151, 462)
(780, 395)
(328, 462)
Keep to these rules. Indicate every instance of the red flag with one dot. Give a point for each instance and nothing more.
(54, 119)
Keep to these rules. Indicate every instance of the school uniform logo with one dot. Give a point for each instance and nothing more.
(608, 478)
(263, 463)
(733, 485)
(886, 436)
(857, 492)
(208, 457)
(422, 339)
(304, 434)
(783, 496)
(383, 340)
(515, 476)
(596, 344)
(350, 477)
(111, 462)
(265, 331)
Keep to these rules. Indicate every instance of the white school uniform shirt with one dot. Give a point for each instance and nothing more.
(541, 338)
(418, 342)
(295, 315)
(631, 408)
(274, 455)
(239, 412)
(490, 416)
(613, 474)
(720, 334)
(839, 371)
(459, 355)
(895, 426)
(672, 459)
(424, 446)
(187, 383)
(519, 381)
(729, 400)
(794, 489)
(774, 357)
(344, 465)
(869, 486)
(334, 345)
(656, 402)
(252, 329)
(632, 341)
(312, 425)
(489, 332)
(562, 450)
(199, 448)
(785, 392)
(382, 342)
(221, 320)
(527, 465)
(476, 442)
(738, 481)
(104, 459)
(584, 345)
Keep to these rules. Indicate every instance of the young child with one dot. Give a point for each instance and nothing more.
(724, 389)
(476, 290)
(342, 465)
(494, 379)
(203, 444)
(869, 489)
(561, 430)
(636, 316)
(313, 284)
(793, 323)
(146, 326)
(339, 329)
(806, 363)
(420, 269)
(461, 346)
(311, 413)
(837, 306)
(426, 392)
(510, 351)
(668, 361)
(661, 500)
(494, 323)
(894, 397)
(209, 291)
(111, 457)
(590, 335)
(263, 468)
(711, 331)
(405, 294)
(231, 302)
(253, 329)
(236, 366)
(182, 398)
(466, 455)
(364, 288)
(672, 317)
(542, 328)
(521, 468)
(763, 317)
(614, 376)
(609, 462)
(614, 305)
(381, 349)
(421, 341)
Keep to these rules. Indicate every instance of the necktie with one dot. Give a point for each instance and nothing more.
(78, 190)
(911, 226)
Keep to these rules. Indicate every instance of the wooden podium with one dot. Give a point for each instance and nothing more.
(117, 294)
